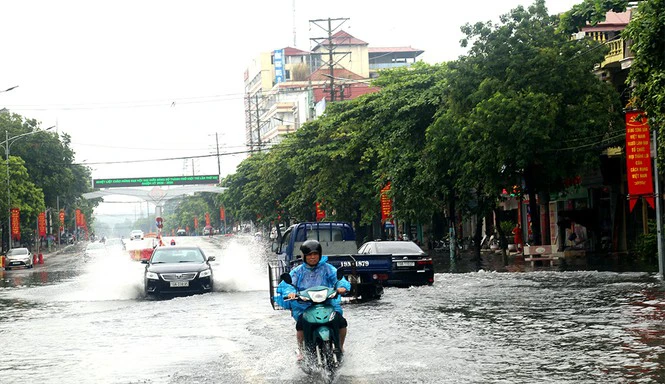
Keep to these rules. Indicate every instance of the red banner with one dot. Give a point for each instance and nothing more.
(196, 223)
(41, 224)
(16, 224)
(62, 220)
(638, 158)
(320, 213)
(222, 214)
(78, 218)
(207, 219)
(386, 204)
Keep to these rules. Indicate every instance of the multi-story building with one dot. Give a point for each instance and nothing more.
(288, 86)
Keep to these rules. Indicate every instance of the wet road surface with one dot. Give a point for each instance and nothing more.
(73, 322)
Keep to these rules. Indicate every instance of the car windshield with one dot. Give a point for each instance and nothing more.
(398, 247)
(17, 251)
(170, 255)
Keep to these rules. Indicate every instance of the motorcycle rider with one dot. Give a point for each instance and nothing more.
(315, 271)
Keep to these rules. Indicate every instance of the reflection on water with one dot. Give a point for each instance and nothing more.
(478, 327)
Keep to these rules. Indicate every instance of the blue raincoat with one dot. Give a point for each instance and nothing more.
(304, 277)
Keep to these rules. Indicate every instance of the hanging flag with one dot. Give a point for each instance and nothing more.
(16, 224)
(41, 224)
(638, 158)
(222, 214)
(320, 213)
(196, 223)
(386, 205)
(207, 219)
(62, 220)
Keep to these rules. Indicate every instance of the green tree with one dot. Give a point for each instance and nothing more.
(536, 113)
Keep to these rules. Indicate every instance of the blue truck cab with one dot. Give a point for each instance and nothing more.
(366, 273)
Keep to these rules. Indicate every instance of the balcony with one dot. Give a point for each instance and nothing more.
(619, 56)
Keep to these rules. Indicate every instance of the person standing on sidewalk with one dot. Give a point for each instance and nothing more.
(517, 233)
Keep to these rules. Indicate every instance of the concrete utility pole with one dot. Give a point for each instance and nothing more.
(219, 165)
(329, 29)
(250, 125)
(258, 123)
(659, 219)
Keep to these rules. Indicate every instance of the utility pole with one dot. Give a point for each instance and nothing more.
(219, 165)
(659, 219)
(248, 109)
(328, 41)
(258, 123)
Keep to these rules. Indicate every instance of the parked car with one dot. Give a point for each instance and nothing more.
(411, 265)
(178, 270)
(136, 234)
(66, 238)
(181, 232)
(208, 231)
(18, 257)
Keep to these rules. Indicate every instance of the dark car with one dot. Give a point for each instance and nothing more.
(175, 270)
(411, 265)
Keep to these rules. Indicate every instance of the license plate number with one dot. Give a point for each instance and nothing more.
(180, 283)
(406, 263)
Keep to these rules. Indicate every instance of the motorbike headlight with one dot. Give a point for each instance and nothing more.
(205, 273)
(151, 276)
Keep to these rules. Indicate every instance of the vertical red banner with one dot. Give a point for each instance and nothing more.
(320, 213)
(207, 219)
(222, 214)
(41, 224)
(62, 220)
(196, 223)
(16, 224)
(638, 158)
(386, 204)
(78, 217)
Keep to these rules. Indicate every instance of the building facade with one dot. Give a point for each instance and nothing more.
(287, 87)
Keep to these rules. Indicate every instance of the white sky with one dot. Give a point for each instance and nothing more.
(156, 79)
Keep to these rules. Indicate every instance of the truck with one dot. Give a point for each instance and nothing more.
(366, 273)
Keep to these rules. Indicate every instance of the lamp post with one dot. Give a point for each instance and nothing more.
(8, 142)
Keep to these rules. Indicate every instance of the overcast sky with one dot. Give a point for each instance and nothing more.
(158, 79)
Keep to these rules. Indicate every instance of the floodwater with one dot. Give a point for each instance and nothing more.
(73, 322)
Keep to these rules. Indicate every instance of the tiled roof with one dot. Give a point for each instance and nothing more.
(392, 49)
(290, 51)
(613, 22)
(341, 38)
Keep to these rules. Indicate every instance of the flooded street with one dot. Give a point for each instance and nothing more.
(73, 322)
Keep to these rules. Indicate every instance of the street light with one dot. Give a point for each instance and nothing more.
(8, 142)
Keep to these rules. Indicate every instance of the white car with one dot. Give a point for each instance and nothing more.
(136, 234)
(18, 257)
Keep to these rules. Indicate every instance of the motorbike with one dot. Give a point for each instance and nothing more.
(321, 350)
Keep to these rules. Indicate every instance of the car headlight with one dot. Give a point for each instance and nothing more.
(205, 273)
(151, 276)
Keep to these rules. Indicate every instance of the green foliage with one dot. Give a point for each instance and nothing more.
(647, 31)
(522, 105)
(645, 249)
(589, 11)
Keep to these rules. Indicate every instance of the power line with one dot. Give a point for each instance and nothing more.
(167, 159)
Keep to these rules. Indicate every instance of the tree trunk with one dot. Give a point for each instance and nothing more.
(533, 207)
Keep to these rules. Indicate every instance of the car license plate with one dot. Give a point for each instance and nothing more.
(406, 263)
(180, 284)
